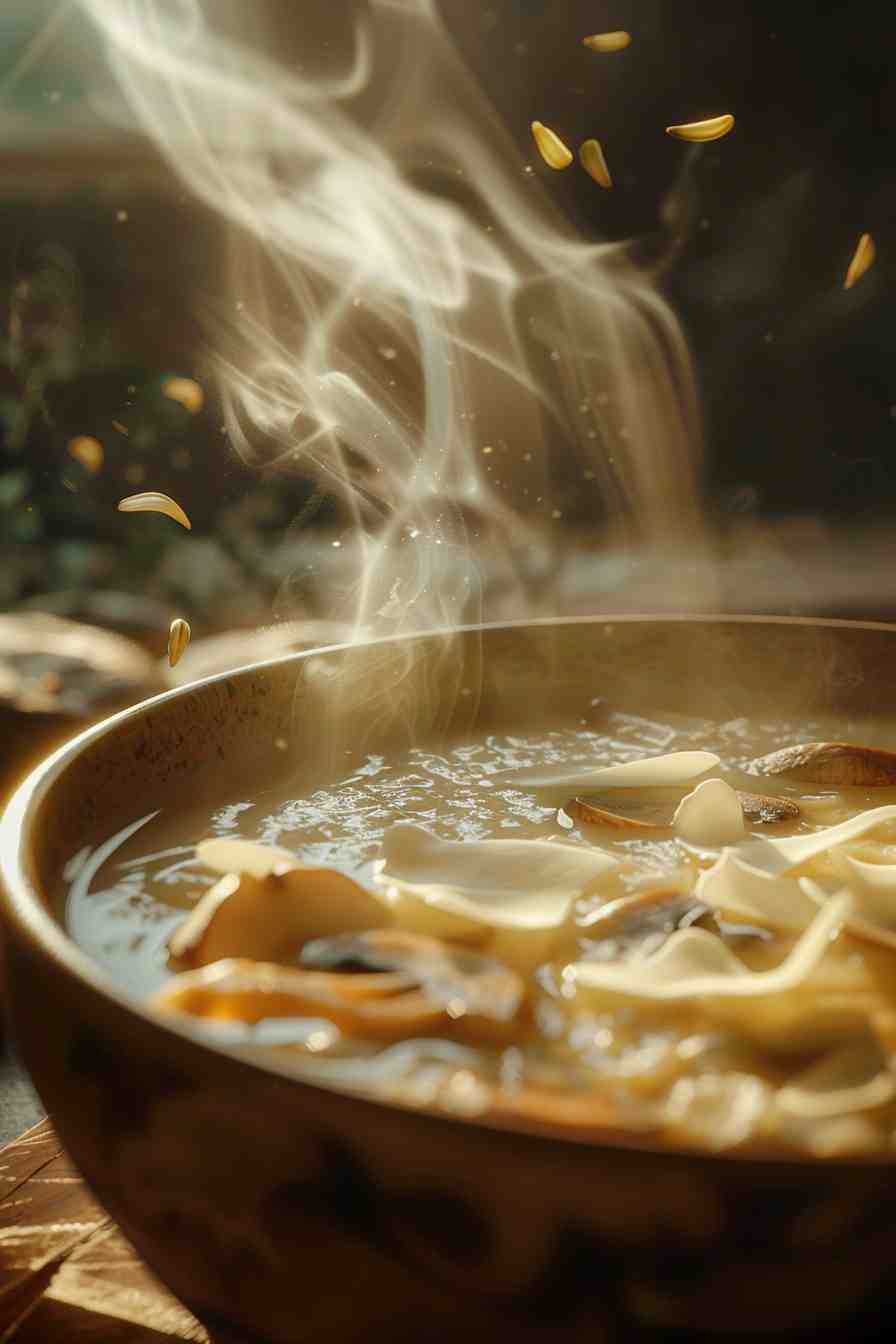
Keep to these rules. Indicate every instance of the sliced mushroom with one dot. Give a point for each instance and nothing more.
(649, 814)
(240, 990)
(270, 918)
(833, 763)
(636, 925)
(460, 980)
(385, 1006)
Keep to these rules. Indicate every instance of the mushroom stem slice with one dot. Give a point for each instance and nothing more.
(460, 980)
(833, 763)
(270, 918)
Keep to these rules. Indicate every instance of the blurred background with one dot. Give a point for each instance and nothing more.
(108, 268)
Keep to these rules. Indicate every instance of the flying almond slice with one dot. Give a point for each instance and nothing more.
(696, 964)
(701, 131)
(607, 41)
(559, 781)
(550, 146)
(862, 260)
(593, 160)
(710, 816)
(837, 764)
(151, 501)
(270, 917)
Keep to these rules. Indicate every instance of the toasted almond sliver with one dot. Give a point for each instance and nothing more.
(178, 639)
(607, 41)
(185, 390)
(700, 131)
(594, 162)
(150, 501)
(87, 451)
(550, 146)
(862, 260)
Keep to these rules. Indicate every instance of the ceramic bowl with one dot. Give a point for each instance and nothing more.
(287, 1211)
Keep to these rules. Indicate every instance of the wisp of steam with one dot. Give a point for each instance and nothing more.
(413, 324)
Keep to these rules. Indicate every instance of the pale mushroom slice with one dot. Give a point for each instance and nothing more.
(518, 884)
(837, 764)
(733, 887)
(558, 781)
(874, 901)
(856, 1076)
(242, 990)
(624, 810)
(696, 964)
(462, 981)
(270, 918)
(710, 816)
(778, 856)
(227, 854)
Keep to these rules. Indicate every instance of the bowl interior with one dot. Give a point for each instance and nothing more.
(311, 718)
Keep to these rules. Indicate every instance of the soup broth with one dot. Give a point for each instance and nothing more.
(677, 973)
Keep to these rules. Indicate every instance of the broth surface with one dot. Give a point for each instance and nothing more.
(685, 1071)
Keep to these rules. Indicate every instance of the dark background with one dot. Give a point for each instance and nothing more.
(106, 262)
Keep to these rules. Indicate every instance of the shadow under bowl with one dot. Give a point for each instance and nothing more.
(290, 1211)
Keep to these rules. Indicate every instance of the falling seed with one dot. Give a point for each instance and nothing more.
(607, 41)
(701, 131)
(178, 639)
(550, 146)
(185, 390)
(594, 163)
(87, 451)
(862, 259)
(152, 502)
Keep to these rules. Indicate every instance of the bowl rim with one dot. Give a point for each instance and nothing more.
(23, 905)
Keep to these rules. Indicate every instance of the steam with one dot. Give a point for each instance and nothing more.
(413, 323)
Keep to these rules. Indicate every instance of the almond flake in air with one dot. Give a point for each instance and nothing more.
(594, 162)
(88, 451)
(152, 502)
(862, 260)
(607, 41)
(701, 131)
(550, 146)
(178, 639)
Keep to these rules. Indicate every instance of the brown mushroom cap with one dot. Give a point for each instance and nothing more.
(833, 763)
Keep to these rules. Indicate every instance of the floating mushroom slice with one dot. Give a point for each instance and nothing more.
(237, 989)
(458, 979)
(270, 918)
(762, 809)
(503, 883)
(778, 856)
(874, 907)
(701, 131)
(837, 764)
(244, 856)
(854, 1077)
(694, 963)
(710, 816)
(631, 925)
(734, 887)
(676, 768)
(624, 810)
(150, 501)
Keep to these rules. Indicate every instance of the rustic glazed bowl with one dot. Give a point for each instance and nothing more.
(278, 1209)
